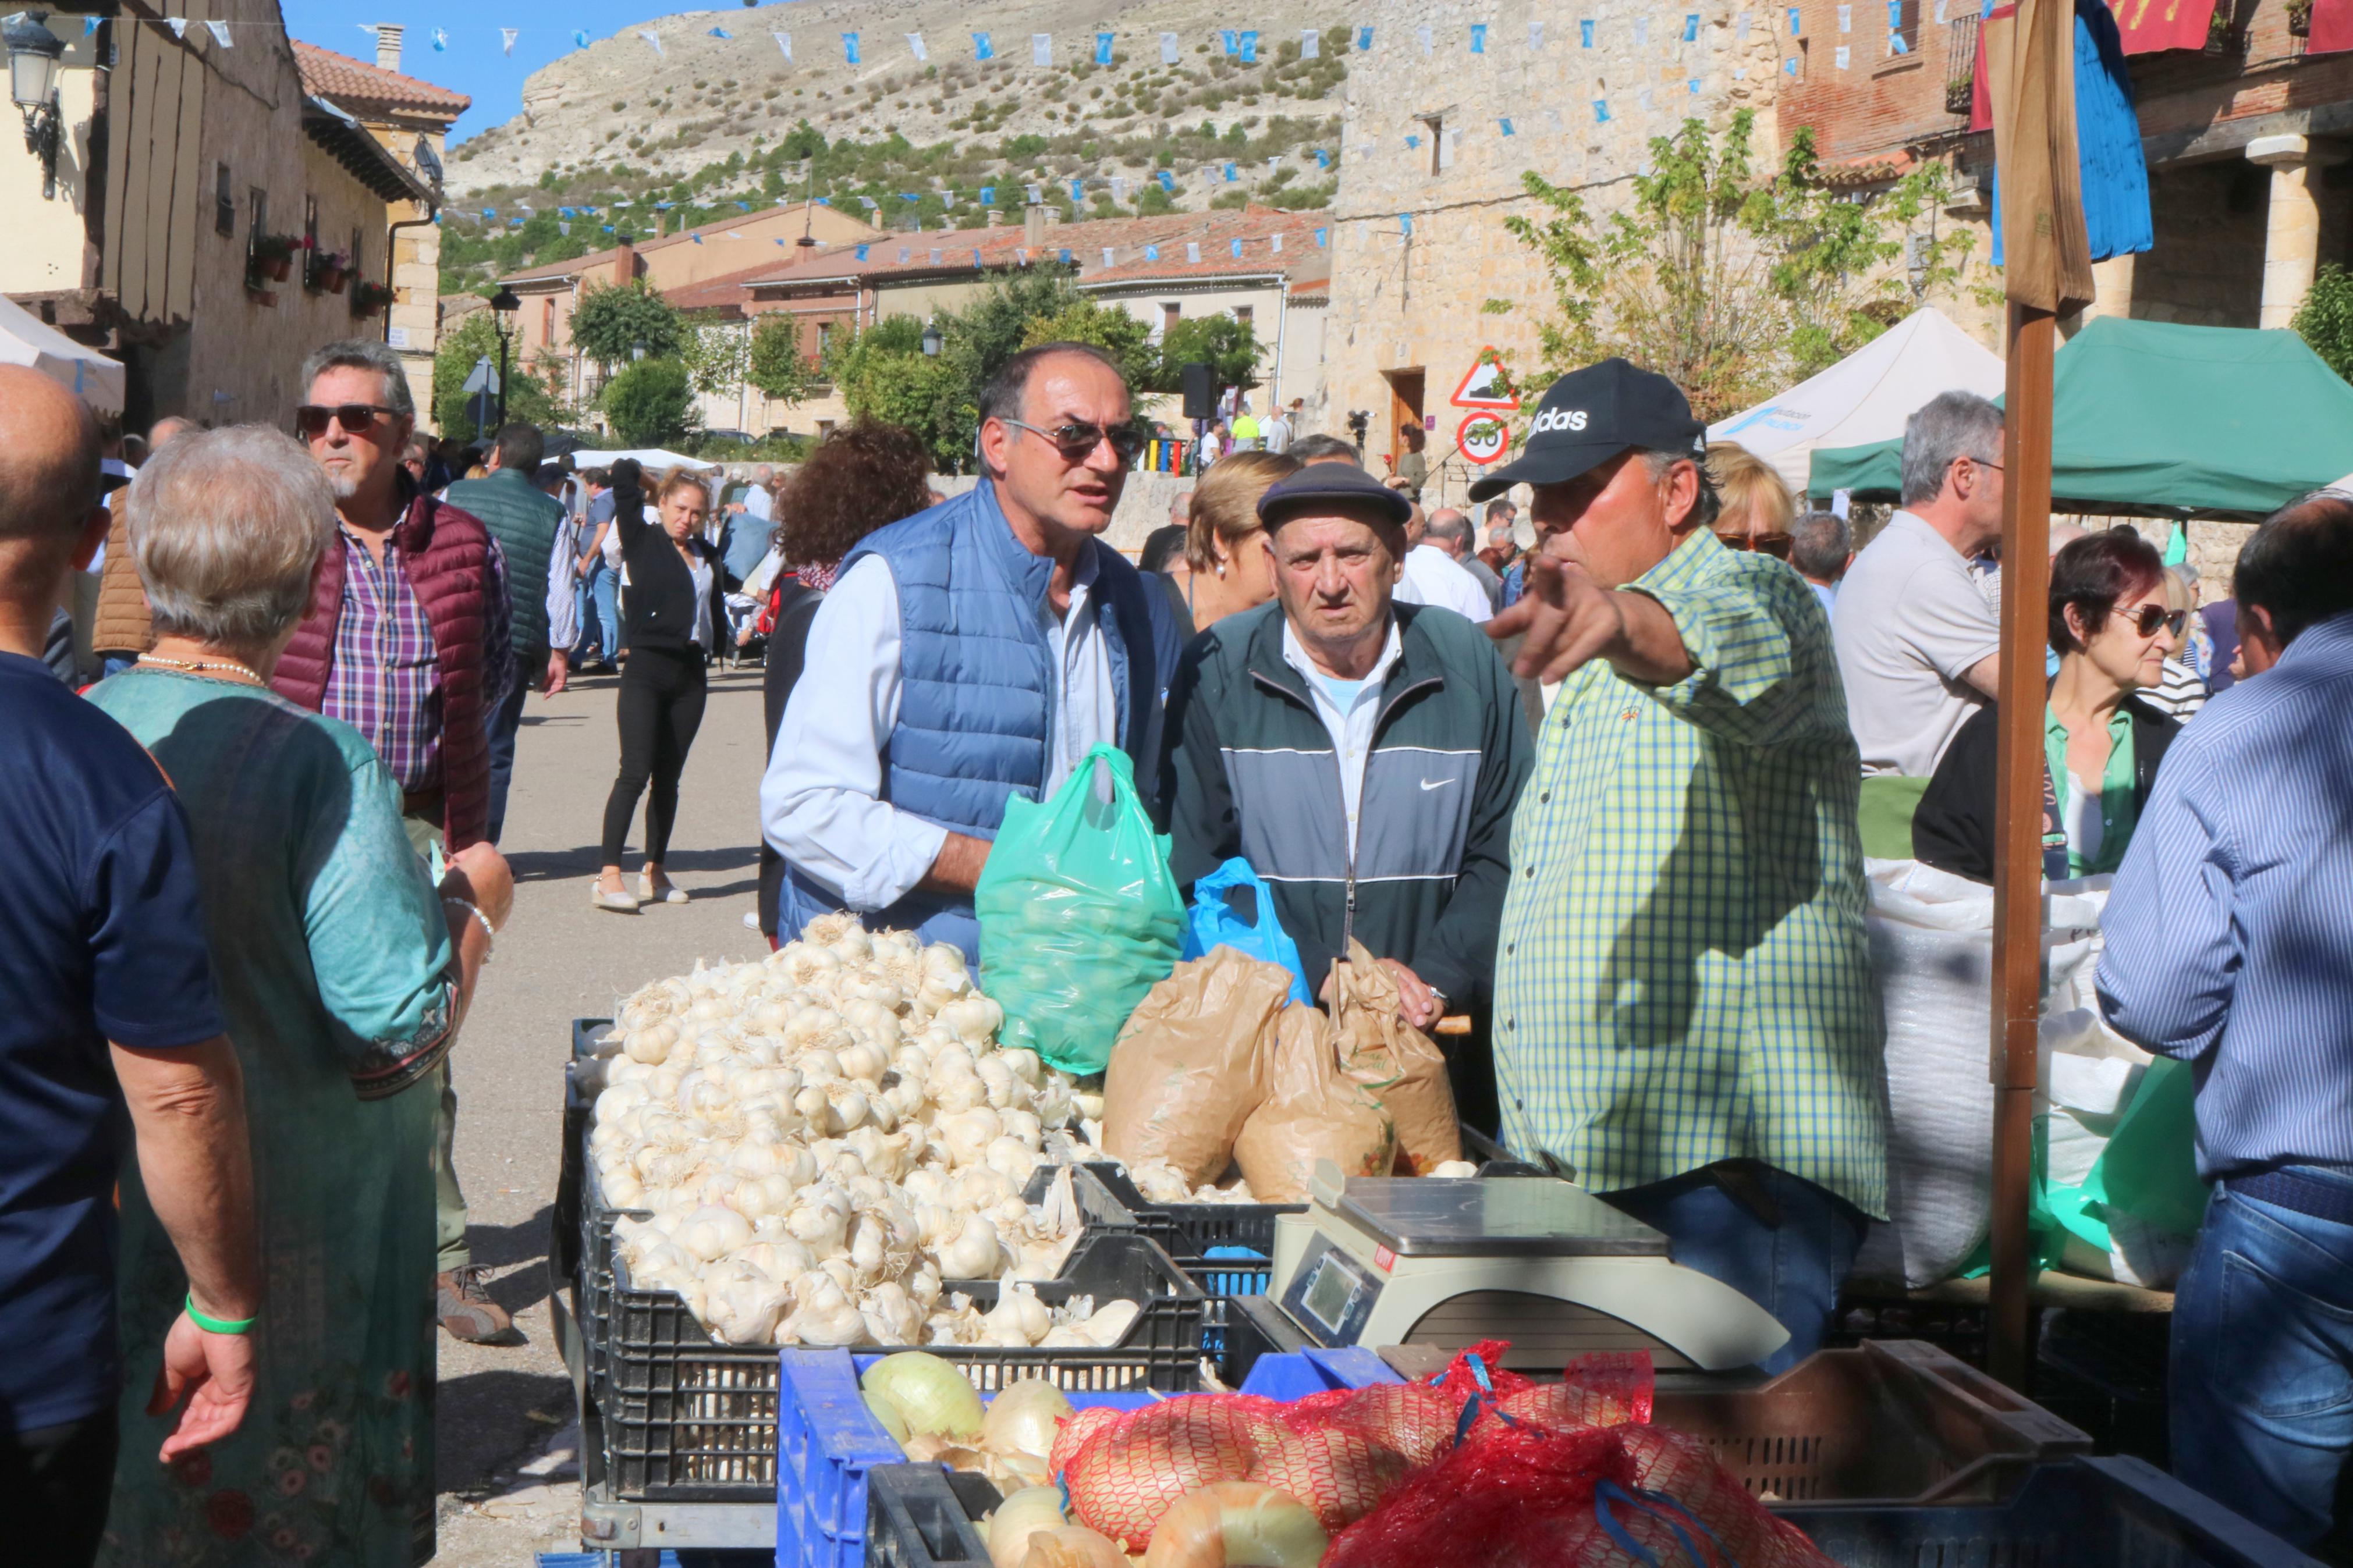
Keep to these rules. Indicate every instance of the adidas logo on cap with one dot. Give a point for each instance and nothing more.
(1572, 419)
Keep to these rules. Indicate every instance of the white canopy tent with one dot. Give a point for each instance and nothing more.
(652, 460)
(1866, 396)
(26, 340)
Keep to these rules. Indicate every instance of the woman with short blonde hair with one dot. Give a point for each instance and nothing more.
(1228, 570)
(1756, 507)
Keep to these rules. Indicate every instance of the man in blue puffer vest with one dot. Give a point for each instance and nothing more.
(967, 654)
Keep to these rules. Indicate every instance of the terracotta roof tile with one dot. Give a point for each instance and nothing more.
(1002, 248)
(344, 80)
(604, 258)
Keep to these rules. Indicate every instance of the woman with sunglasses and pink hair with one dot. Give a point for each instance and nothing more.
(2112, 627)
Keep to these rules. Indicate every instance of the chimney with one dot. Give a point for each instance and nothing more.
(625, 262)
(1033, 226)
(996, 217)
(387, 46)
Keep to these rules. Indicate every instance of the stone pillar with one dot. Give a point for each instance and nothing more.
(2292, 237)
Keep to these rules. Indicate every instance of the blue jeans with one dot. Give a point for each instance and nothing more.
(505, 719)
(600, 613)
(1793, 1269)
(2261, 1395)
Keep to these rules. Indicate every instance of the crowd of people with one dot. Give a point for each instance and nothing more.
(1605, 795)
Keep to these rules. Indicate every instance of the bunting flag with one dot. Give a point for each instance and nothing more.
(1423, 34)
(982, 48)
(783, 43)
(440, 38)
(718, 33)
(1041, 48)
(915, 46)
(1106, 260)
(1167, 181)
(1602, 111)
(988, 195)
(1646, 102)
(1033, 194)
(1740, 22)
(1535, 36)
(367, 27)
(1691, 25)
(1065, 256)
(1942, 7)
(220, 30)
(1274, 243)
(1506, 126)
(1167, 48)
(1412, 142)
(903, 255)
(1311, 44)
(580, 38)
(1585, 35)
(1694, 87)
(653, 40)
(1320, 235)
(1238, 249)
(507, 37)
(1249, 47)
(1102, 48)
(696, 237)
(1796, 24)
(1364, 40)
(1151, 253)
(1227, 43)
(1478, 38)
(861, 250)
(1231, 175)
(1641, 32)
(1405, 225)
(1078, 192)
(88, 26)
(1119, 188)
(1192, 250)
(1846, 18)
(935, 256)
(1274, 163)
(849, 48)
(1845, 57)
(1323, 158)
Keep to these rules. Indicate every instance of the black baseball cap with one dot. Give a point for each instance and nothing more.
(1593, 414)
(1326, 484)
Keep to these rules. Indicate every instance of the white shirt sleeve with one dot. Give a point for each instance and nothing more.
(1947, 620)
(1433, 578)
(562, 578)
(820, 800)
(764, 576)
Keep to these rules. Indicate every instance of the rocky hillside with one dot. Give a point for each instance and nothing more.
(711, 123)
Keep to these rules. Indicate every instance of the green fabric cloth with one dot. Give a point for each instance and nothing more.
(1884, 814)
(523, 520)
(1682, 975)
(329, 951)
(2270, 422)
(2118, 808)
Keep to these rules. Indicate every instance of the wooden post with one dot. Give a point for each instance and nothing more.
(2018, 811)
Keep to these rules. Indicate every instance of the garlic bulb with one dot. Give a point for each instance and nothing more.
(972, 1252)
(1019, 1320)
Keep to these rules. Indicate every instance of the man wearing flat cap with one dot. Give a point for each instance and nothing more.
(1685, 1020)
(1362, 754)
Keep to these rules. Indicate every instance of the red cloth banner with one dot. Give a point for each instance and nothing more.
(2150, 25)
(2332, 28)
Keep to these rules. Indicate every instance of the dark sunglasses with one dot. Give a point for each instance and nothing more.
(311, 418)
(2148, 618)
(1076, 441)
(1776, 545)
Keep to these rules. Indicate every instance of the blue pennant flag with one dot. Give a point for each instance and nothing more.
(1319, 238)
(608, 228)
(563, 212)
(1413, 141)
(1364, 40)
(721, 33)
(988, 195)
(1238, 249)
(744, 206)
(1151, 253)
(1405, 225)
(861, 250)
(1249, 49)
(1227, 43)
(849, 48)
(1229, 173)
(1066, 257)
(1102, 48)
(1506, 124)
(490, 212)
(1478, 38)
(982, 49)
(1790, 66)
(696, 237)
(1167, 181)
(1690, 26)
(580, 40)
(1323, 158)
(1694, 87)
(910, 197)
(1797, 25)
(1585, 35)
(1078, 191)
(1602, 111)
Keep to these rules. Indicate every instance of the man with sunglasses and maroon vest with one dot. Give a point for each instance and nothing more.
(971, 652)
(408, 639)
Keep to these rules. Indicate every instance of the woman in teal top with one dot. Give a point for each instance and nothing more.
(343, 972)
(2111, 628)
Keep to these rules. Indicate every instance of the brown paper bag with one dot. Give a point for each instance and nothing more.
(1183, 1075)
(1312, 1111)
(1404, 1071)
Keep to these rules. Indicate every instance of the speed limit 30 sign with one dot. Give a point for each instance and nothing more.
(1482, 437)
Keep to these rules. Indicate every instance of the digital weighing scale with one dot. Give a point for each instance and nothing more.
(1380, 1261)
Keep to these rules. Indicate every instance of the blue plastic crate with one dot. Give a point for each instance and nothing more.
(828, 1440)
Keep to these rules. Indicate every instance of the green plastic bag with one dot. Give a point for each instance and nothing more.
(1079, 914)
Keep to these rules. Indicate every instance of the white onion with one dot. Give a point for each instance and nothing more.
(933, 1395)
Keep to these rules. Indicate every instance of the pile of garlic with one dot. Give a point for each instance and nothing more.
(824, 1137)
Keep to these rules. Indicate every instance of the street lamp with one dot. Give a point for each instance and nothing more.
(503, 305)
(931, 339)
(33, 55)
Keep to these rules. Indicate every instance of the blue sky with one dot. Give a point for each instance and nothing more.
(472, 64)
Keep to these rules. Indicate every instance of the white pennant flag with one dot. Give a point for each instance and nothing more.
(507, 36)
(1167, 48)
(915, 45)
(1423, 33)
(1119, 188)
(179, 25)
(367, 27)
(1274, 163)
(1041, 48)
(1106, 249)
(1740, 25)
(1192, 250)
(1535, 35)
(1274, 243)
(220, 30)
(1311, 44)
(655, 40)
(784, 42)
(1034, 195)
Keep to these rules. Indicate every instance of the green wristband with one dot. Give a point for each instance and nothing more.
(219, 1325)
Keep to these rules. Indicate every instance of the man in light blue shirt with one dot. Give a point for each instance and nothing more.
(1821, 548)
(2229, 946)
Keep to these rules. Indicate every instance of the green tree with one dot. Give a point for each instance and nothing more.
(717, 356)
(613, 323)
(1107, 327)
(477, 337)
(651, 403)
(776, 365)
(1228, 347)
(2325, 319)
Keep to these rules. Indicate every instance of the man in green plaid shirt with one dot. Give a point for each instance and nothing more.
(1685, 1019)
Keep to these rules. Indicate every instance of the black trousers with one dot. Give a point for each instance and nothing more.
(662, 693)
(55, 1485)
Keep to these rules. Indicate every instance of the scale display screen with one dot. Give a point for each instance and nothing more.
(1328, 1290)
(1333, 1294)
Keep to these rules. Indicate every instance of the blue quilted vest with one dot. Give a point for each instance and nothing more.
(977, 685)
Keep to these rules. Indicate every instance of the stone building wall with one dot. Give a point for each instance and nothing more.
(1419, 242)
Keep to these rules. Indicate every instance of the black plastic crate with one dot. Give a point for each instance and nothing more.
(2081, 1513)
(2107, 1371)
(920, 1516)
(689, 1420)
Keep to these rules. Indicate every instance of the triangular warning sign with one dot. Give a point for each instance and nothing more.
(1485, 386)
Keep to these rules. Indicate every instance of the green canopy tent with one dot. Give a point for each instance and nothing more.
(2159, 420)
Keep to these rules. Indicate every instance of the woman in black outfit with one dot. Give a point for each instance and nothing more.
(672, 616)
(861, 477)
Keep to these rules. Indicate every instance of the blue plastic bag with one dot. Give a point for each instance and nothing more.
(1211, 922)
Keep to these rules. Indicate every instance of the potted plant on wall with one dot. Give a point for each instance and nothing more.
(329, 270)
(1959, 94)
(2221, 27)
(369, 298)
(272, 255)
(2299, 18)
